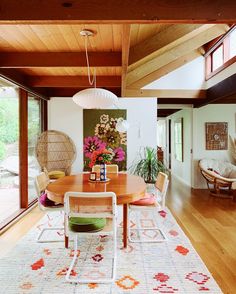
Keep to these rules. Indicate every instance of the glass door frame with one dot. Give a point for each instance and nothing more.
(23, 152)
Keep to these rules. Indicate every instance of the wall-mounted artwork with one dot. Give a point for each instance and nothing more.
(216, 136)
(100, 132)
(178, 140)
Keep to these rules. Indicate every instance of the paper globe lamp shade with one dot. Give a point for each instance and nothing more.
(95, 98)
(122, 125)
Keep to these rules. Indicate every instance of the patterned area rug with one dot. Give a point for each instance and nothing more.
(168, 267)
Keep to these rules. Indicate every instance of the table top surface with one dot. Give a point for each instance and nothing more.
(128, 188)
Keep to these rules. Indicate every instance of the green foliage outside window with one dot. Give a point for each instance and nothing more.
(9, 123)
(2, 150)
(33, 121)
(9, 120)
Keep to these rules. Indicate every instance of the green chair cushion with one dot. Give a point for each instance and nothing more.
(82, 224)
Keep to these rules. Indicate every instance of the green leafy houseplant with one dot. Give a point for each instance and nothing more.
(147, 165)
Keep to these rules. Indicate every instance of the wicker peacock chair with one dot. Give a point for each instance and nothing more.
(55, 151)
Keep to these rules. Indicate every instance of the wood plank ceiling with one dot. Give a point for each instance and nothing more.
(48, 57)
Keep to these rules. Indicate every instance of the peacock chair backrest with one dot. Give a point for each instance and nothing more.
(55, 150)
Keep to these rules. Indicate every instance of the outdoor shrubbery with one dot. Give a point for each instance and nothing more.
(9, 123)
(2, 150)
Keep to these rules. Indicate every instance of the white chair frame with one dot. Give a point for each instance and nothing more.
(109, 215)
(40, 186)
(158, 192)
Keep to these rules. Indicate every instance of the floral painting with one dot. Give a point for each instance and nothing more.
(100, 133)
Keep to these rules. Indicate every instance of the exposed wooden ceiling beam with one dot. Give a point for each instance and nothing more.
(176, 52)
(73, 81)
(21, 80)
(162, 42)
(171, 101)
(226, 100)
(196, 94)
(125, 55)
(97, 11)
(223, 89)
(69, 92)
(157, 74)
(166, 112)
(174, 106)
(58, 59)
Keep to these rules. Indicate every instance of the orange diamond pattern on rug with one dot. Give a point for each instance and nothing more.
(127, 283)
(142, 268)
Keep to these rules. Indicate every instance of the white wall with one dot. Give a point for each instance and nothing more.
(64, 115)
(191, 76)
(182, 170)
(210, 113)
(188, 76)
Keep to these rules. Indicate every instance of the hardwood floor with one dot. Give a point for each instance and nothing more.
(210, 224)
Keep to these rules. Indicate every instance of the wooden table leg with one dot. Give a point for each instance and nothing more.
(125, 224)
(66, 242)
(65, 228)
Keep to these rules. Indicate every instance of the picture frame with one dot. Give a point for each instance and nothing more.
(216, 135)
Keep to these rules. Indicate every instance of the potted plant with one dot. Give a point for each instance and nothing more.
(147, 165)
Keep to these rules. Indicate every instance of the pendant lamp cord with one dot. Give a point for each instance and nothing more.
(93, 81)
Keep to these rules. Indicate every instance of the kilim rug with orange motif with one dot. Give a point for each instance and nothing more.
(172, 266)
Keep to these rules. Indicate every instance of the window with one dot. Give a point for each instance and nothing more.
(232, 44)
(17, 191)
(178, 139)
(221, 54)
(217, 58)
(9, 151)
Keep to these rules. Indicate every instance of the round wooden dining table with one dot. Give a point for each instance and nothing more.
(128, 188)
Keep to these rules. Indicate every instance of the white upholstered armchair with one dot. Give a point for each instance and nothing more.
(219, 175)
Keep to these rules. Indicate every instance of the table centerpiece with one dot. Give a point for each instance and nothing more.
(101, 157)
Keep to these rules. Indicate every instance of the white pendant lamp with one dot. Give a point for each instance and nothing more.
(93, 97)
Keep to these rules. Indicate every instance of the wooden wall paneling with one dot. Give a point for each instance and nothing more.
(23, 148)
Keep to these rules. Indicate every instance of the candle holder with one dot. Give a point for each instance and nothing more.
(93, 176)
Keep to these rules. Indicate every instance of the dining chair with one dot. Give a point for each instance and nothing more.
(153, 201)
(91, 214)
(41, 183)
(111, 168)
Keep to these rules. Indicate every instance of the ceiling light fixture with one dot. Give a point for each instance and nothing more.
(93, 97)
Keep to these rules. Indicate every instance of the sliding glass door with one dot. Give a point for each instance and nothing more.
(9, 151)
(34, 129)
(22, 119)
